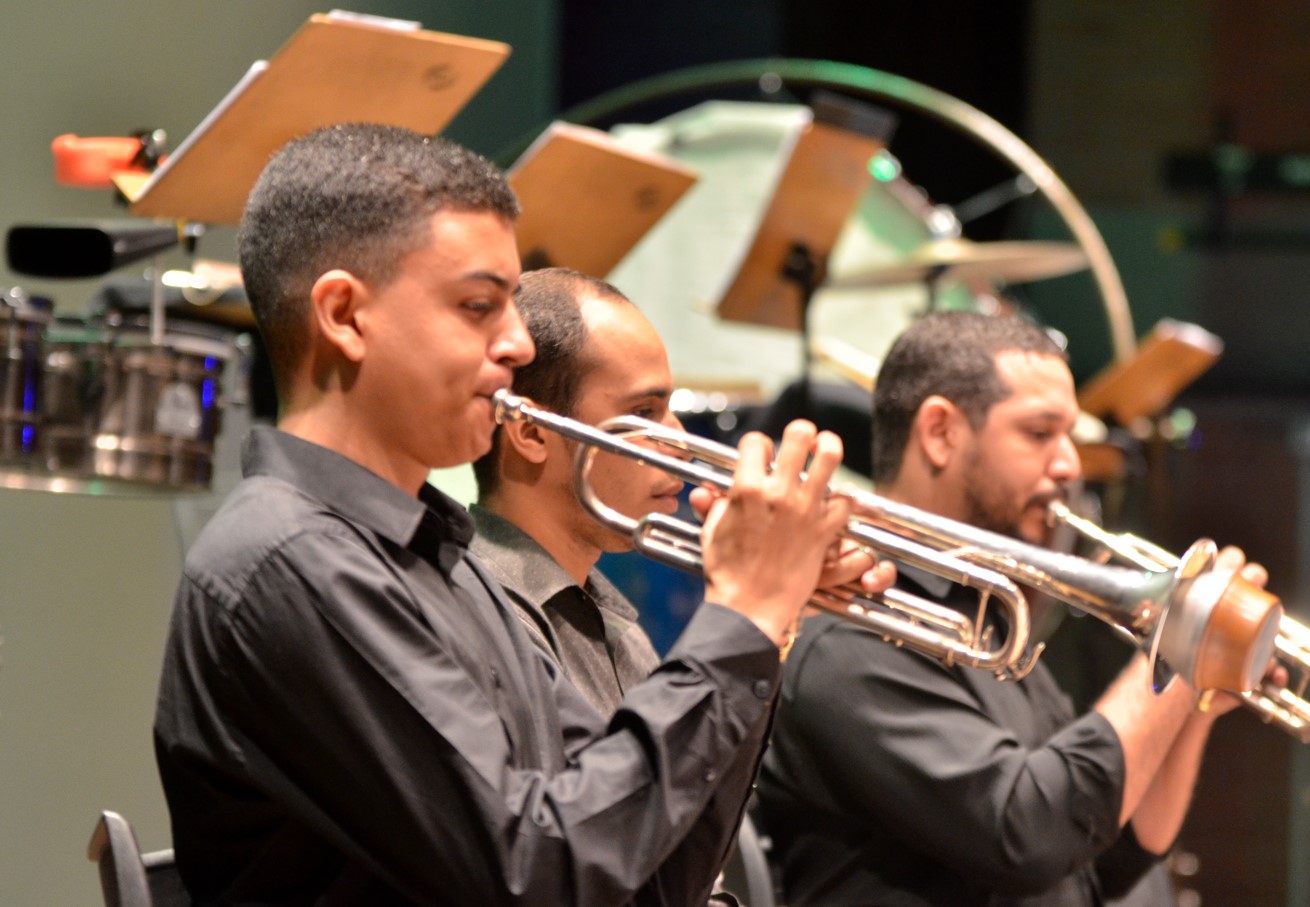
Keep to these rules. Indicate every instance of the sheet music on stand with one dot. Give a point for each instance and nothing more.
(337, 68)
(587, 200)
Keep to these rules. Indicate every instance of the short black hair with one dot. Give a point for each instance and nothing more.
(951, 354)
(550, 302)
(356, 196)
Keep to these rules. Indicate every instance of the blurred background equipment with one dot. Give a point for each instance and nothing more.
(119, 401)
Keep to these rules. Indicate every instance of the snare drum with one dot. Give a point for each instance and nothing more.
(161, 407)
(23, 320)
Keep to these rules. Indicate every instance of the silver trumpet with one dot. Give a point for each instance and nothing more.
(1217, 638)
(1286, 706)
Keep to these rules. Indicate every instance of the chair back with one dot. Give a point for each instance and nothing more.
(747, 873)
(129, 878)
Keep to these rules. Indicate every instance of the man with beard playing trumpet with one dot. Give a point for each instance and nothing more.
(895, 780)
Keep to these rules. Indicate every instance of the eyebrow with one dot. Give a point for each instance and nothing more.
(660, 393)
(492, 277)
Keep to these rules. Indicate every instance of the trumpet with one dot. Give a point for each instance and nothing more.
(1286, 706)
(1214, 628)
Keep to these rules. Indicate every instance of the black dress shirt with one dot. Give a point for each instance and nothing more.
(893, 780)
(350, 713)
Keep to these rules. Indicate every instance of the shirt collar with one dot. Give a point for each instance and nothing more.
(355, 492)
(529, 570)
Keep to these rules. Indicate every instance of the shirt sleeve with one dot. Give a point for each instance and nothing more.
(397, 736)
(889, 734)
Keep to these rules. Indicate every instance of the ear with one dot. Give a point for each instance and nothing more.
(527, 440)
(939, 430)
(335, 298)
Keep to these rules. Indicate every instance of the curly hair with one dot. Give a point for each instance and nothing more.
(949, 354)
(358, 197)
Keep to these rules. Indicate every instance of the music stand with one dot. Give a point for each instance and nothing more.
(586, 200)
(1171, 357)
(825, 176)
(337, 68)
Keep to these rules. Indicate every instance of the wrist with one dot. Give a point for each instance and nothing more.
(777, 623)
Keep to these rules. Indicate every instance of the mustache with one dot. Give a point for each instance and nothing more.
(1044, 499)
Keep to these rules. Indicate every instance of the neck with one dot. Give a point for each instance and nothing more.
(541, 521)
(328, 423)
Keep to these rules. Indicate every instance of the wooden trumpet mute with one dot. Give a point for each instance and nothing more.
(1217, 629)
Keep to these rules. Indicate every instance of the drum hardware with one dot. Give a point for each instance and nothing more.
(884, 87)
(1210, 625)
(1012, 190)
(1287, 706)
(120, 413)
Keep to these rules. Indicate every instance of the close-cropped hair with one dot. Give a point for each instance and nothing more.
(358, 197)
(550, 303)
(951, 354)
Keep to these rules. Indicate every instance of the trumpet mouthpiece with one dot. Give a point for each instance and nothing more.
(509, 406)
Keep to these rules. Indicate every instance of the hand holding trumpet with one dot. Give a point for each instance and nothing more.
(773, 537)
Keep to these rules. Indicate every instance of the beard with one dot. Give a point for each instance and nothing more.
(990, 505)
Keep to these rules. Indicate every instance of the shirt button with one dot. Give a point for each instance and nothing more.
(711, 775)
(762, 689)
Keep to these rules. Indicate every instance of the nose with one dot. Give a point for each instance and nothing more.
(1066, 465)
(513, 345)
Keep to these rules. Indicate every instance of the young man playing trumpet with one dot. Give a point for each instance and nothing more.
(894, 779)
(350, 711)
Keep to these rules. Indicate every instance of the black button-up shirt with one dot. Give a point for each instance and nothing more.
(350, 713)
(894, 780)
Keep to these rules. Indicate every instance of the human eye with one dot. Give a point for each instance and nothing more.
(1040, 434)
(478, 307)
(652, 410)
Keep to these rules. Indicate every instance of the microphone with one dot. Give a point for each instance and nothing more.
(84, 249)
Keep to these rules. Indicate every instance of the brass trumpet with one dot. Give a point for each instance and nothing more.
(1287, 706)
(1219, 631)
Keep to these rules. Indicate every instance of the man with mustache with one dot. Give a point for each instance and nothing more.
(597, 358)
(894, 780)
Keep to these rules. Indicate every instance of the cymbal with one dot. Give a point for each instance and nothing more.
(939, 260)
